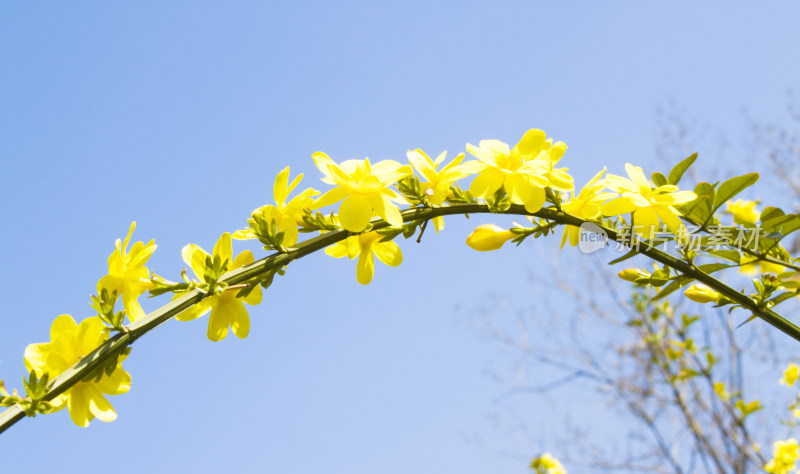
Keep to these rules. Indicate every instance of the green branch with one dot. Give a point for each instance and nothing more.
(98, 357)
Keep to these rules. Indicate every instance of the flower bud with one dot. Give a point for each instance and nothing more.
(488, 237)
(702, 294)
(631, 274)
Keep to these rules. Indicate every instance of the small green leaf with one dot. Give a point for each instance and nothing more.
(713, 267)
(672, 287)
(781, 298)
(677, 172)
(732, 255)
(659, 179)
(624, 257)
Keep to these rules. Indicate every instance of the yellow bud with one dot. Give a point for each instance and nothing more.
(488, 237)
(631, 274)
(701, 294)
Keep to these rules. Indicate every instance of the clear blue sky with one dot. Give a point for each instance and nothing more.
(179, 114)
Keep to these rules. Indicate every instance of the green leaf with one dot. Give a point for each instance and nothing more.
(659, 277)
(732, 187)
(732, 255)
(781, 298)
(624, 257)
(710, 268)
(672, 287)
(659, 179)
(700, 210)
(792, 284)
(677, 172)
(770, 213)
(782, 225)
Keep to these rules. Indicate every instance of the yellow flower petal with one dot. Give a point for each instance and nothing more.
(366, 267)
(337, 250)
(64, 325)
(486, 183)
(78, 405)
(254, 297)
(244, 258)
(388, 253)
(223, 248)
(117, 383)
(531, 143)
(132, 307)
(388, 211)
(329, 198)
(559, 179)
(422, 163)
(646, 223)
(615, 207)
(90, 335)
(355, 212)
(669, 218)
(279, 191)
(98, 405)
(195, 257)
(390, 171)
(195, 311)
(557, 151)
(536, 200)
(36, 357)
(239, 319)
(438, 223)
(637, 175)
(440, 193)
(218, 322)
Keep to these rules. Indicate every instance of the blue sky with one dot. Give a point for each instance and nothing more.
(178, 115)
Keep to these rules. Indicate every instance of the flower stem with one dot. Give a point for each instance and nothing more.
(98, 357)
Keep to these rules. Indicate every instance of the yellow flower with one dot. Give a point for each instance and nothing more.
(488, 237)
(287, 216)
(790, 375)
(547, 464)
(649, 204)
(127, 274)
(367, 246)
(743, 211)
(784, 457)
(701, 294)
(751, 266)
(364, 188)
(437, 186)
(523, 171)
(227, 310)
(719, 388)
(585, 205)
(69, 343)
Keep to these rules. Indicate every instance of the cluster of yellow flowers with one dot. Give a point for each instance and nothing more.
(547, 464)
(525, 175)
(784, 457)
